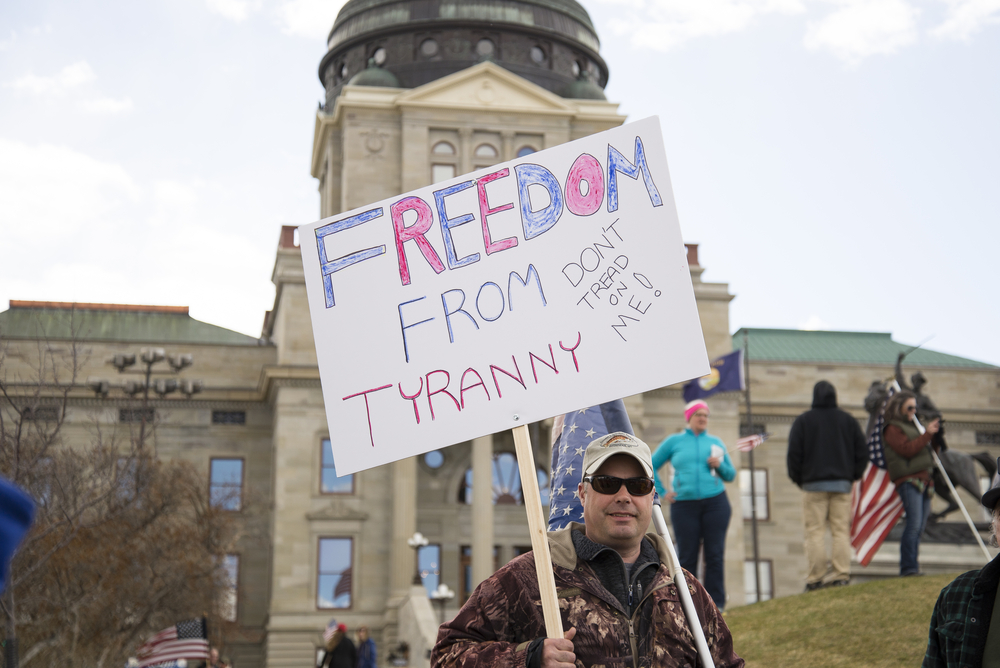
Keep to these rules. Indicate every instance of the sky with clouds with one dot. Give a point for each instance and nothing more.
(836, 160)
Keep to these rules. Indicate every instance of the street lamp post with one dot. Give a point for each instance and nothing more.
(161, 386)
(417, 541)
(442, 595)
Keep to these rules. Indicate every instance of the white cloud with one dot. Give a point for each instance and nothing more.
(814, 323)
(8, 42)
(967, 17)
(71, 76)
(665, 24)
(57, 189)
(234, 10)
(107, 105)
(308, 18)
(861, 28)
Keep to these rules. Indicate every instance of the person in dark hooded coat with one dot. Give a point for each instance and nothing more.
(339, 650)
(827, 452)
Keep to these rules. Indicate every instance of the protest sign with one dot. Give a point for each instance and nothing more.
(501, 297)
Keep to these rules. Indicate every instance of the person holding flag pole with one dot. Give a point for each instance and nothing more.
(620, 589)
(875, 504)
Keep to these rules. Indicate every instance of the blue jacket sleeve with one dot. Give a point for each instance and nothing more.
(726, 469)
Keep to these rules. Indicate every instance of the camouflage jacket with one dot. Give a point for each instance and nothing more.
(501, 618)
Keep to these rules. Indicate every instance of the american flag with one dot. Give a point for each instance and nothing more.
(331, 629)
(875, 505)
(571, 434)
(748, 443)
(184, 640)
(343, 587)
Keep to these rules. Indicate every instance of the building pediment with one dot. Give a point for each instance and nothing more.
(486, 87)
(337, 509)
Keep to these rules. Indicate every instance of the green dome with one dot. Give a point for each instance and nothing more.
(373, 75)
(584, 88)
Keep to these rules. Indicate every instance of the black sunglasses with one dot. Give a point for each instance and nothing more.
(607, 484)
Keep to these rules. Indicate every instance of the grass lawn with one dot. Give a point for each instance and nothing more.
(880, 623)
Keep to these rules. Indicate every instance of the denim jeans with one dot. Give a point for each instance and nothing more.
(918, 509)
(704, 522)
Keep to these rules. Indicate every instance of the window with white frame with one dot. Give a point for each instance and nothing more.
(334, 579)
(329, 481)
(429, 566)
(506, 482)
(760, 490)
(226, 484)
(750, 580)
(230, 594)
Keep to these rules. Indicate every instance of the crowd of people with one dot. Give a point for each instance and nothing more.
(339, 651)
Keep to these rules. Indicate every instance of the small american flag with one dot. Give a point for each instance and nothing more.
(875, 505)
(571, 434)
(331, 629)
(748, 443)
(184, 640)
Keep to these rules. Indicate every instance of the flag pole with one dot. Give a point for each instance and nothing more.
(753, 485)
(951, 487)
(538, 529)
(677, 573)
(954, 494)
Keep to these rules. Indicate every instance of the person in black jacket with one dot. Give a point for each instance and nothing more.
(827, 452)
(339, 650)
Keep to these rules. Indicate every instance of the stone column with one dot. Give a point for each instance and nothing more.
(465, 150)
(482, 509)
(507, 138)
(404, 523)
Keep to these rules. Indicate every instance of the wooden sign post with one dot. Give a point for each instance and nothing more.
(537, 526)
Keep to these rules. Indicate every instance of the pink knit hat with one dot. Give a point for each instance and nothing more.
(693, 407)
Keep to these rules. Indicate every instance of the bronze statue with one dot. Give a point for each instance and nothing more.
(926, 410)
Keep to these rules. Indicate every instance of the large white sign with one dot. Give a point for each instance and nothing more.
(501, 297)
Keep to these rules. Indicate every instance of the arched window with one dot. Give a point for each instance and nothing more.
(524, 151)
(443, 148)
(506, 482)
(486, 151)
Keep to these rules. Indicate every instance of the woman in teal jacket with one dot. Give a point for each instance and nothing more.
(699, 508)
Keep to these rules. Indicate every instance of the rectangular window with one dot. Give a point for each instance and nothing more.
(229, 417)
(441, 173)
(429, 565)
(125, 478)
(329, 481)
(333, 578)
(750, 580)
(230, 596)
(137, 415)
(40, 413)
(760, 485)
(226, 484)
(747, 430)
(466, 565)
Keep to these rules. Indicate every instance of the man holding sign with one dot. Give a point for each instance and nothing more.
(617, 599)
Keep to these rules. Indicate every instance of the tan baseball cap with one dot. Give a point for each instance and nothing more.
(616, 443)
